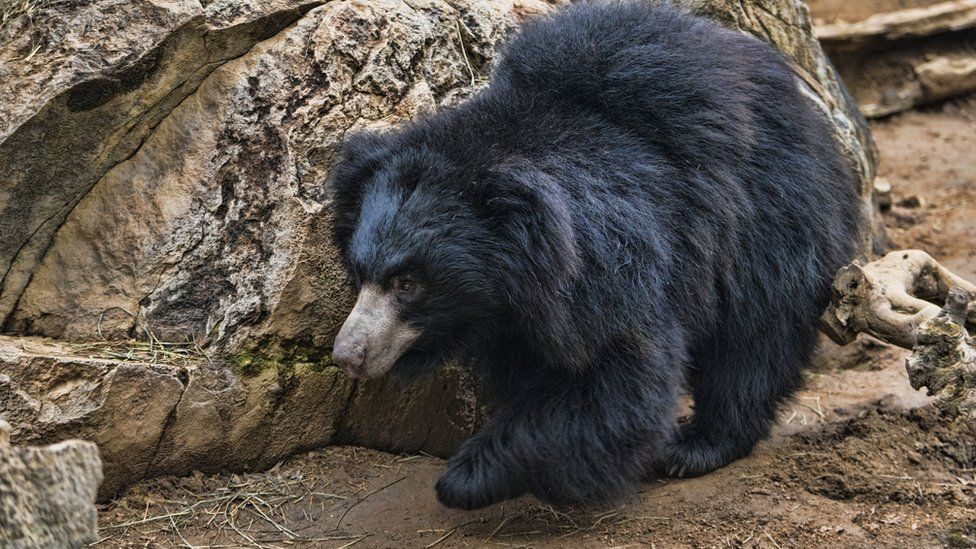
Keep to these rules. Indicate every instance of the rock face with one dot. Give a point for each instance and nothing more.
(179, 188)
(163, 180)
(47, 495)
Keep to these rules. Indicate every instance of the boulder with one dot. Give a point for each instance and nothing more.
(168, 179)
(47, 494)
(165, 217)
(154, 411)
(171, 182)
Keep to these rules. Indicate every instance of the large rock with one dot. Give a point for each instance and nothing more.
(152, 414)
(178, 188)
(163, 168)
(168, 177)
(47, 495)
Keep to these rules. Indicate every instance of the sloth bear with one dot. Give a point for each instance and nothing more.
(639, 200)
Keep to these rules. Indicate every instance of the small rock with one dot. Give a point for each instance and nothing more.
(47, 494)
(882, 193)
(913, 201)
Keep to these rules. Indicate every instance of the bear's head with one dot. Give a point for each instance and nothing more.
(445, 255)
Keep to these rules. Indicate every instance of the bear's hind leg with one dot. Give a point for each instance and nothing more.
(738, 384)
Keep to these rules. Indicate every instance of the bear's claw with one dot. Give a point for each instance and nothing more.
(472, 482)
(692, 457)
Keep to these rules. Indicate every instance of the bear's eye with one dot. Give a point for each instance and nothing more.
(404, 285)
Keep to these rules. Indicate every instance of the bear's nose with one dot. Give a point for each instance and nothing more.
(350, 357)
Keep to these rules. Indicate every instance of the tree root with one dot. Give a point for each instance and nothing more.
(893, 299)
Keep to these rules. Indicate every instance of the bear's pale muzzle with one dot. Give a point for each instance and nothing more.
(373, 337)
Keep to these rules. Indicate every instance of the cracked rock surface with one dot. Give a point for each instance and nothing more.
(162, 169)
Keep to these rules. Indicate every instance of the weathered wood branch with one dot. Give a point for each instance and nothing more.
(896, 60)
(894, 299)
(942, 17)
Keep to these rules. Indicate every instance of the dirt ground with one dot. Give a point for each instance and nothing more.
(857, 459)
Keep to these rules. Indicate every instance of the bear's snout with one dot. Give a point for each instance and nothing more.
(373, 336)
(349, 355)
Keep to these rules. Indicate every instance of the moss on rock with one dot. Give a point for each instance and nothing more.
(287, 357)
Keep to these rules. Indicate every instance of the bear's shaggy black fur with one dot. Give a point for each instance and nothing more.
(640, 199)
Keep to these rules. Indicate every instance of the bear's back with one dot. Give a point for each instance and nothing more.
(723, 133)
(682, 82)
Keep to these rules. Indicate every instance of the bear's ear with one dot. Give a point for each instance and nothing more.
(358, 158)
(533, 211)
(530, 214)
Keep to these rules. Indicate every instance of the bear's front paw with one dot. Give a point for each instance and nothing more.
(693, 457)
(471, 483)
